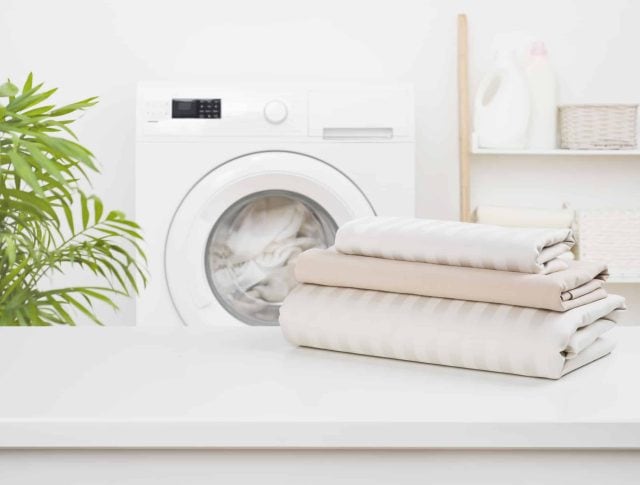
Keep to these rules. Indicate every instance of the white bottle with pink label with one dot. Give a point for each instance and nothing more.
(542, 90)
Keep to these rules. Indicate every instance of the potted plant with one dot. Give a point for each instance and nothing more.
(48, 223)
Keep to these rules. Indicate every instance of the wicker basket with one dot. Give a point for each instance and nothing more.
(598, 127)
(612, 237)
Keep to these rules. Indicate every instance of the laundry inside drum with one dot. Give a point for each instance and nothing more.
(252, 249)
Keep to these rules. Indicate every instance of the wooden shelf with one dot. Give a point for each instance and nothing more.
(468, 143)
(558, 153)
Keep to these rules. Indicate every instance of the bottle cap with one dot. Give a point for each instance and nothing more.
(538, 49)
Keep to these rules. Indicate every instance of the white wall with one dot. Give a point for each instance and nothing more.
(104, 47)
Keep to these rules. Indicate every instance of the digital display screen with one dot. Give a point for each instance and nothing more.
(185, 106)
(196, 108)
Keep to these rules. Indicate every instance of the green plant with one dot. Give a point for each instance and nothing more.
(48, 223)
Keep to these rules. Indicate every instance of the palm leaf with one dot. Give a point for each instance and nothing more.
(41, 162)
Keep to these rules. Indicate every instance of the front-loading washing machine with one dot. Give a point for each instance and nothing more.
(233, 183)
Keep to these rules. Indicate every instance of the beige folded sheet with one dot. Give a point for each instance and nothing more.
(459, 333)
(579, 284)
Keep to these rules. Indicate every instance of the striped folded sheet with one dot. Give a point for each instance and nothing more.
(501, 299)
(581, 283)
(485, 336)
(525, 250)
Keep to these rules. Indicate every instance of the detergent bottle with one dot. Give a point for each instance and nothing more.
(542, 87)
(502, 105)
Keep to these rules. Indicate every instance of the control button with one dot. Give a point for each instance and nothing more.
(275, 112)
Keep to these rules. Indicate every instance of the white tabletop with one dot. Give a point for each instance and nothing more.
(248, 388)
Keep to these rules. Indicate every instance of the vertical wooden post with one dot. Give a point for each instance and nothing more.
(464, 129)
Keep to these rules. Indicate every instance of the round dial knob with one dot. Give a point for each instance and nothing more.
(275, 112)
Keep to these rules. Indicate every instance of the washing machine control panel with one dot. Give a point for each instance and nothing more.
(329, 113)
(196, 108)
(198, 111)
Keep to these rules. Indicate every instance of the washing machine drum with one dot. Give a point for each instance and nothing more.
(234, 240)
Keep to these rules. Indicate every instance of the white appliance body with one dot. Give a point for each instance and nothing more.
(338, 152)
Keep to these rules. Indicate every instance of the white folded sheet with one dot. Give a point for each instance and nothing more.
(526, 250)
(486, 336)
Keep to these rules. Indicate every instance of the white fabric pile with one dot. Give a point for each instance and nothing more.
(251, 262)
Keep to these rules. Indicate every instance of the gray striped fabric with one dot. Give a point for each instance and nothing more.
(525, 250)
(460, 333)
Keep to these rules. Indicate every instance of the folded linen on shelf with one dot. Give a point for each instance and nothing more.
(579, 284)
(525, 217)
(486, 336)
(525, 250)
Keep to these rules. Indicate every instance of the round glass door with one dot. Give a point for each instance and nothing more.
(234, 237)
(252, 249)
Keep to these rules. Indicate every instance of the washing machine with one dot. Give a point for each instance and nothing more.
(232, 183)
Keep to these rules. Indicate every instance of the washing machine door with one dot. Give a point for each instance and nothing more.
(234, 239)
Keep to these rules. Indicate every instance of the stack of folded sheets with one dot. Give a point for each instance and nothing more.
(467, 295)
